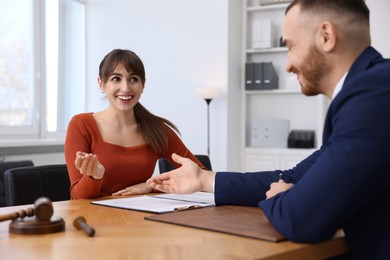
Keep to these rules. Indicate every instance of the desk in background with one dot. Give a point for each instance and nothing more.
(124, 234)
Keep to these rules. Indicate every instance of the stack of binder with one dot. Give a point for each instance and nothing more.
(260, 76)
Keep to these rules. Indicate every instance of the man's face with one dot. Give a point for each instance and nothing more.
(311, 71)
(304, 57)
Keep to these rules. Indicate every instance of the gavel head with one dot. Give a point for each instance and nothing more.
(43, 209)
(43, 223)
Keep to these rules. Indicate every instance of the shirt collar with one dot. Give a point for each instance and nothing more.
(339, 86)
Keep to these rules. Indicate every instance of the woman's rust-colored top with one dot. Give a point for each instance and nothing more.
(124, 166)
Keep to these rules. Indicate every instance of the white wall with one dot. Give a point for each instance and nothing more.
(184, 45)
(380, 20)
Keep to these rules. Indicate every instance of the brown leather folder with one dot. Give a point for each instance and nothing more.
(237, 220)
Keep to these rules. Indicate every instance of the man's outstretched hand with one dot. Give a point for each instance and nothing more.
(188, 178)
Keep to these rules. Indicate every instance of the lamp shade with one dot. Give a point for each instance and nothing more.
(208, 93)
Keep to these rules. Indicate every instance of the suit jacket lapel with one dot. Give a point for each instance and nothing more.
(365, 60)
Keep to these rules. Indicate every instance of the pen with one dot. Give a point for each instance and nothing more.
(188, 207)
(281, 177)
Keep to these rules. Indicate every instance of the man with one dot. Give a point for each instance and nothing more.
(346, 183)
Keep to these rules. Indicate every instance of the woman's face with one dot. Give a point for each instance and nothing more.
(123, 88)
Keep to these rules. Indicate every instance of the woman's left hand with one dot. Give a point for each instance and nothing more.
(140, 188)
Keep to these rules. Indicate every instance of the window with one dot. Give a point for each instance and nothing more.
(16, 66)
(42, 60)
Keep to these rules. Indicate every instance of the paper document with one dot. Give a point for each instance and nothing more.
(161, 203)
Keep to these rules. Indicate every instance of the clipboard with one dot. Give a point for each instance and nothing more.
(236, 220)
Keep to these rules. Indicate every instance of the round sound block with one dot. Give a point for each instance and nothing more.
(34, 226)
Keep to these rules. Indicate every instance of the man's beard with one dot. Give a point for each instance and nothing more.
(313, 70)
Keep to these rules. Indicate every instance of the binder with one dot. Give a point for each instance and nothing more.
(258, 76)
(270, 77)
(249, 76)
(236, 220)
(262, 34)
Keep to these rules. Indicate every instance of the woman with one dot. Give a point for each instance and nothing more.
(114, 151)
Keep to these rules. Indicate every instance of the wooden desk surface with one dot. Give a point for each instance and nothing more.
(124, 234)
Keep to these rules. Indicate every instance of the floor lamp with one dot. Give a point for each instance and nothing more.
(208, 94)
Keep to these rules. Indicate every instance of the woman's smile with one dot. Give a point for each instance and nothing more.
(124, 98)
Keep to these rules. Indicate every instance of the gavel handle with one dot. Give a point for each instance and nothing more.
(19, 214)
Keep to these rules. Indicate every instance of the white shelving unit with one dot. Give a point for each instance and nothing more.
(303, 113)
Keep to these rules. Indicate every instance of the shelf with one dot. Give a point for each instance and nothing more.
(266, 7)
(268, 50)
(284, 103)
(273, 92)
(285, 151)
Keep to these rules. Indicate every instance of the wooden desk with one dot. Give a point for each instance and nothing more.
(124, 234)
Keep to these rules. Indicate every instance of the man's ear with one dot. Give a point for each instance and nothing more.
(327, 36)
(101, 85)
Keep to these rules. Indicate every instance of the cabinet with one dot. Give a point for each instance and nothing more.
(284, 103)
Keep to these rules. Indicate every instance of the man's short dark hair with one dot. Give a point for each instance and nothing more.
(340, 7)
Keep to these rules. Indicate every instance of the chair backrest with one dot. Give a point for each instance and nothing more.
(165, 166)
(5, 166)
(24, 185)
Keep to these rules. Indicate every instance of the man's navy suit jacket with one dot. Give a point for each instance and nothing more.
(346, 183)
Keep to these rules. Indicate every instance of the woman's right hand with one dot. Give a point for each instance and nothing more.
(89, 164)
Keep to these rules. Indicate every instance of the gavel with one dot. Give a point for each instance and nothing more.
(40, 220)
(37, 220)
(43, 211)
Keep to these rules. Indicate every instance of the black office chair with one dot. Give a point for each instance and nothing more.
(165, 166)
(24, 185)
(5, 166)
